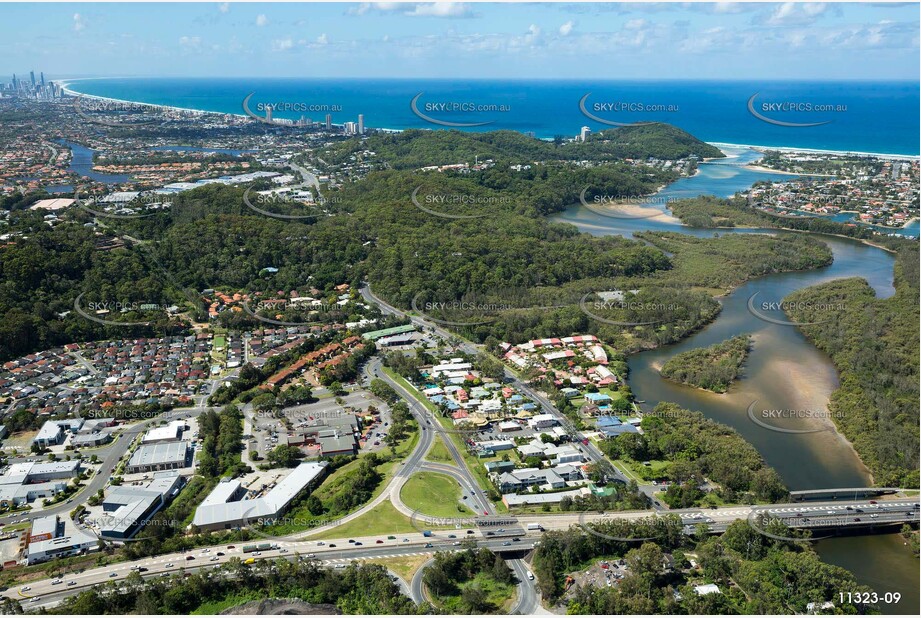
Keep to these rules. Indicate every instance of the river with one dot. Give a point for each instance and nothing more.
(784, 371)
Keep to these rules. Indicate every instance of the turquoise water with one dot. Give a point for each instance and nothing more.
(879, 117)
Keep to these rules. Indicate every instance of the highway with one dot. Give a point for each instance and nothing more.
(820, 516)
(333, 551)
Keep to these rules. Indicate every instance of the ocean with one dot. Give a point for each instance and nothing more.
(854, 116)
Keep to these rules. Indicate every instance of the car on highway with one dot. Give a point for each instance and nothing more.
(470, 532)
(406, 540)
(378, 541)
(452, 536)
(311, 555)
(351, 540)
(427, 545)
(71, 583)
(490, 533)
(190, 557)
(516, 540)
(231, 547)
(357, 543)
(113, 574)
(506, 544)
(332, 544)
(455, 543)
(214, 559)
(220, 553)
(35, 599)
(282, 551)
(170, 565)
(57, 581)
(25, 588)
(320, 543)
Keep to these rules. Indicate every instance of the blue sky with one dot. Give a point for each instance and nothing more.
(523, 40)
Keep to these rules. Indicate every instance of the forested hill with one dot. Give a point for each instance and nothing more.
(416, 148)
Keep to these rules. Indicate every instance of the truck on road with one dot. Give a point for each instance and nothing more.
(538, 527)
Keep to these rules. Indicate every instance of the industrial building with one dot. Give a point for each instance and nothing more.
(28, 481)
(168, 433)
(160, 456)
(127, 507)
(223, 509)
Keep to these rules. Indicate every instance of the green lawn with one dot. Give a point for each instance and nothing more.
(212, 608)
(383, 519)
(439, 452)
(434, 494)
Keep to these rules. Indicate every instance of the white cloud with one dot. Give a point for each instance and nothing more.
(566, 28)
(282, 44)
(189, 41)
(323, 39)
(261, 20)
(796, 13)
(224, 8)
(79, 22)
(415, 9)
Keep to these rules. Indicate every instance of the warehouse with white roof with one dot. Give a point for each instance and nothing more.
(222, 509)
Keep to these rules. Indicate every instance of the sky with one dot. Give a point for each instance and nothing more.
(725, 40)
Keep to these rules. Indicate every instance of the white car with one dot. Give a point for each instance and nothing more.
(26, 588)
(57, 581)
(71, 583)
(170, 565)
(311, 555)
(214, 559)
(34, 599)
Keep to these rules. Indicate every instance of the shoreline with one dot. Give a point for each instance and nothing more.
(762, 148)
(66, 87)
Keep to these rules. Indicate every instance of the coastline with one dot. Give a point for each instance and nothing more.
(66, 87)
(761, 148)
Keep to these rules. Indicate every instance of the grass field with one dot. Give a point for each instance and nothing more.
(439, 452)
(404, 566)
(383, 519)
(434, 494)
